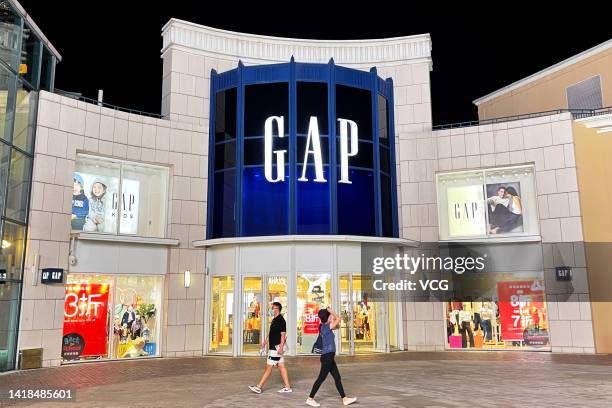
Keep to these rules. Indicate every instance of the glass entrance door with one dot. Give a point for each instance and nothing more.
(364, 323)
(258, 295)
(221, 314)
(252, 306)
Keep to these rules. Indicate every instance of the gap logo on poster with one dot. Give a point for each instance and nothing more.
(349, 147)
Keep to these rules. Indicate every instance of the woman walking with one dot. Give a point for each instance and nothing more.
(329, 321)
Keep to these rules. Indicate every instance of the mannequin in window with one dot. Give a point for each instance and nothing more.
(486, 314)
(136, 327)
(465, 319)
(128, 317)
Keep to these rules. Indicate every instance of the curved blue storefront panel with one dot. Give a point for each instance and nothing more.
(301, 149)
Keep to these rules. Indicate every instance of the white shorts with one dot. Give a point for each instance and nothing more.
(274, 358)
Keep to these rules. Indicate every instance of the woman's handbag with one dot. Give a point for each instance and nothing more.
(317, 347)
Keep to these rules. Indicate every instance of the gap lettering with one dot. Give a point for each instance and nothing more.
(349, 147)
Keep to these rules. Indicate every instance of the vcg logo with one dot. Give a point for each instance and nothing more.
(348, 148)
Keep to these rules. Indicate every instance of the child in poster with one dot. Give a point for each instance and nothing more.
(97, 207)
(80, 203)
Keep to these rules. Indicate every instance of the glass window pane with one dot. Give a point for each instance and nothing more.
(31, 47)
(25, 117)
(356, 204)
(47, 70)
(18, 192)
(95, 193)
(313, 293)
(143, 200)
(364, 157)
(137, 316)
(386, 205)
(385, 159)
(225, 115)
(5, 152)
(11, 252)
(263, 101)
(251, 321)
(265, 204)
(312, 201)
(225, 155)
(86, 324)
(355, 104)
(223, 205)
(9, 310)
(222, 314)
(311, 101)
(7, 98)
(10, 34)
(383, 129)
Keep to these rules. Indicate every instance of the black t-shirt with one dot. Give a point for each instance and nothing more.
(277, 327)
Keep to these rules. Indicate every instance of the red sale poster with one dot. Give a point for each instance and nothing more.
(311, 318)
(85, 320)
(521, 306)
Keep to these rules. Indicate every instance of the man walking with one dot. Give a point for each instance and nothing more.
(276, 343)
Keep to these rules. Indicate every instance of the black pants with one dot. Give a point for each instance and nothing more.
(466, 328)
(328, 365)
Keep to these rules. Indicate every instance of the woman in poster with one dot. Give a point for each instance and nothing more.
(97, 207)
(505, 210)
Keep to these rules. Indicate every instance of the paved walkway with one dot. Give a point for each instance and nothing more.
(451, 379)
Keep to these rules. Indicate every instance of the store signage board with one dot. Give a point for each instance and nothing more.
(349, 147)
(2, 274)
(563, 273)
(466, 212)
(52, 275)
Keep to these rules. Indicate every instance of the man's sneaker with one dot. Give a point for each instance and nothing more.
(285, 389)
(312, 402)
(255, 389)
(348, 401)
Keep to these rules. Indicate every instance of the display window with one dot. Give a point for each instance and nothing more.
(313, 293)
(222, 314)
(362, 328)
(517, 321)
(97, 206)
(487, 203)
(109, 316)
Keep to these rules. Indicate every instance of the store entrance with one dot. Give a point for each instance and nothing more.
(364, 323)
(258, 295)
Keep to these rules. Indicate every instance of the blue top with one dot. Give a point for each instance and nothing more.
(329, 342)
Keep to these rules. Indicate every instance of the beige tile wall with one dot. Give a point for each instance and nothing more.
(67, 126)
(546, 141)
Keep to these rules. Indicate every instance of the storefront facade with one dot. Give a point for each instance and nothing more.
(303, 276)
(276, 165)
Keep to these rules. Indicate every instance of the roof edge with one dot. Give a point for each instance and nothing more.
(546, 71)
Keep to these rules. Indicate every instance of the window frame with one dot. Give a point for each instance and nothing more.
(121, 162)
(530, 224)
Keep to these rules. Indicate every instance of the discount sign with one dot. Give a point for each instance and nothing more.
(522, 307)
(85, 320)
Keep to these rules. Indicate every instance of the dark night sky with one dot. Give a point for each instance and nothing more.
(116, 46)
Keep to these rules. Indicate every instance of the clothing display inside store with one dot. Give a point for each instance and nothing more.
(496, 325)
(125, 307)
